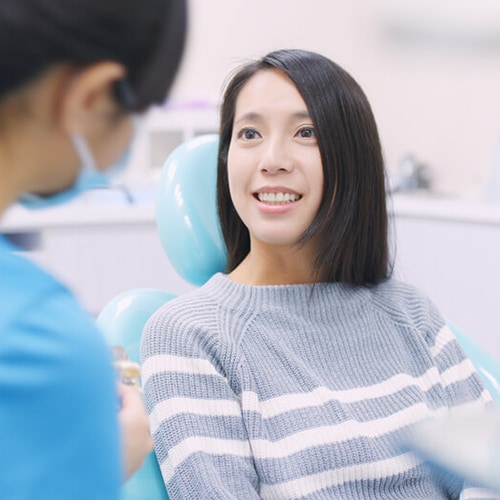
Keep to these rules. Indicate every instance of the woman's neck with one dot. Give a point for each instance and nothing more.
(277, 267)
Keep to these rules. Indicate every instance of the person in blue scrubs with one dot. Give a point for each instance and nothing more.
(74, 75)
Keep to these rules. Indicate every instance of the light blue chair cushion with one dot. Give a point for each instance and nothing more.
(487, 366)
(186, 213)
(122, 321)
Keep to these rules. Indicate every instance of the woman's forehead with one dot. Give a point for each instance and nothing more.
(269, 91)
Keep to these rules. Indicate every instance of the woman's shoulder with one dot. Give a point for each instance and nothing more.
(395, 290)
(208, 319)
(190, 314)
(202, 299)
(407, 304)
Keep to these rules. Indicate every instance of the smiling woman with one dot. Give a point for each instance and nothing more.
(298, 371)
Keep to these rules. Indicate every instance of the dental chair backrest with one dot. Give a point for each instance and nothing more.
(186, 219)
(187, 223)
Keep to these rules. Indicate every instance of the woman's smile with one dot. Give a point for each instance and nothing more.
(277, 198)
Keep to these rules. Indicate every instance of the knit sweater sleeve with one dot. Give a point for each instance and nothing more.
(198, 430)
(460, 382)
(465, 392)
(463, 389)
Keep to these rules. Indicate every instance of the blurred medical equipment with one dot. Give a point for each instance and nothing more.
(412, 175)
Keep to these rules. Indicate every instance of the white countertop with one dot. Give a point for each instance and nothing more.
(18, 219)
(112, 208)
(446, 208)
(93, 209)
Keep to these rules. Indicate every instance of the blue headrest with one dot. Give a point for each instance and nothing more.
(186, 212)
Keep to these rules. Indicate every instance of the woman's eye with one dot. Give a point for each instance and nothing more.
(248, 134)
(306, 132)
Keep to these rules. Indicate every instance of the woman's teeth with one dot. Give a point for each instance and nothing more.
(278, 198)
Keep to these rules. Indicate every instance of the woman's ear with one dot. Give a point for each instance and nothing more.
(88, 94)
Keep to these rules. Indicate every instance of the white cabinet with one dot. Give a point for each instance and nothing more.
(165, 129)
(451, 250)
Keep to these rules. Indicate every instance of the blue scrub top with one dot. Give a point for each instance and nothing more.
(59, 435)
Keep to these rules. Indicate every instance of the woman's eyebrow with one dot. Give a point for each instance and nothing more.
(251, 116)
(302, 115)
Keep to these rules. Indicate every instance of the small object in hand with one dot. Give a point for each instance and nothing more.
(129, 371)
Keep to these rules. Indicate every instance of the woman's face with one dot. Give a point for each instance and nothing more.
(274, 164)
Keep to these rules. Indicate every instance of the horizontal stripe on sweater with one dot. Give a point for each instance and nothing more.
(286, 403)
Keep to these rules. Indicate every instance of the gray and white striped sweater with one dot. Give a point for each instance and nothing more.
(281, 392)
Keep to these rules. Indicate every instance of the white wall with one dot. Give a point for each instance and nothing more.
(434, 89)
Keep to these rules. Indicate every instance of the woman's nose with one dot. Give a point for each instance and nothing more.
(275, 158)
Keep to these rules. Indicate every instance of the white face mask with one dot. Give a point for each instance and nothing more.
(89, 177)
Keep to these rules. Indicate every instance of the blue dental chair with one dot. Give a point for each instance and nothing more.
(189, 231)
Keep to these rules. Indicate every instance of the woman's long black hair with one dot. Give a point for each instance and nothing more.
(351, 222)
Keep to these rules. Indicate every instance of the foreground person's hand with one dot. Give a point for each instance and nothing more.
(136, 439)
